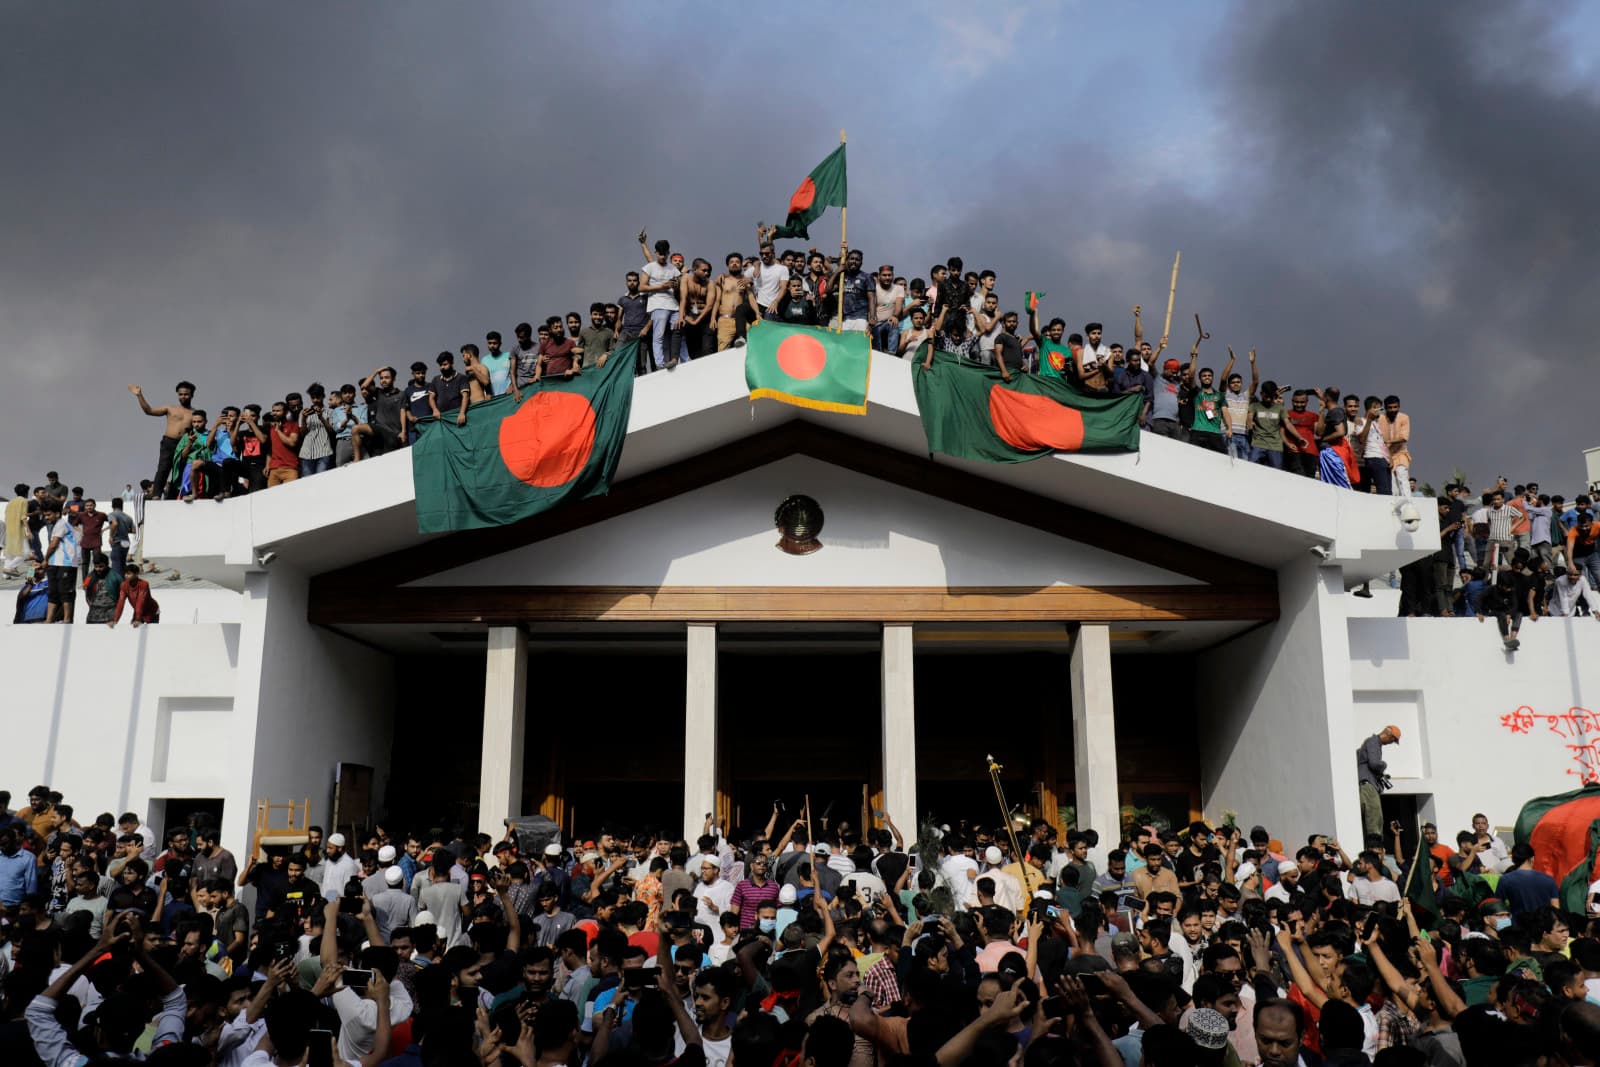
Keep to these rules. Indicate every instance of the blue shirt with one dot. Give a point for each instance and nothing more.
(1472, 593)
(499, 368)
(19, 876)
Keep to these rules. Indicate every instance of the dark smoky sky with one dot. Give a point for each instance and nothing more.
(1387, 198)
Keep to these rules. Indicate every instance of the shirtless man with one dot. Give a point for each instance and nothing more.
(730, 292)
(694, 297)
(178, 418)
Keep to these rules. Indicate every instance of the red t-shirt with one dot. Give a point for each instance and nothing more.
(1305, 424)
(91, 525)
(557, 355)
(281, 456)
(1311, 1039)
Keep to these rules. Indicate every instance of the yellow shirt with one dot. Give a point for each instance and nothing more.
(16, 527)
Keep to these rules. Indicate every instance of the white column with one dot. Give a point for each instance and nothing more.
(700, 729)
(505, 694)
(899, 729)
(1094, 738)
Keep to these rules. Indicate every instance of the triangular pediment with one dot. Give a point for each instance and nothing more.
(876, 533)
(903, 536)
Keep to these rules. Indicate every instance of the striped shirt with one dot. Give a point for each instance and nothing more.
(747, 899)
(1500, 520)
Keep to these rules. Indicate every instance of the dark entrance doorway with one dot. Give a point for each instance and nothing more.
(793, 725)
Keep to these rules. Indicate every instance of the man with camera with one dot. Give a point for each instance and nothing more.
(1372, 779)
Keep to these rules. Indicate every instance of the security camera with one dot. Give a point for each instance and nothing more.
(1408, 515)
(1321, 552)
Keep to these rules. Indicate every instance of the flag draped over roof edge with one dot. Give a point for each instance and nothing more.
(512, 460)
(809, 367)
(974, 413)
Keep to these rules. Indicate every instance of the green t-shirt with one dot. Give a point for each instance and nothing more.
(1266, 426)
(1207, 400)
(1053, 359)
(1476, 990)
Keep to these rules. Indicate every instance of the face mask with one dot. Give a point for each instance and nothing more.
(766, 926)
(1502, 922)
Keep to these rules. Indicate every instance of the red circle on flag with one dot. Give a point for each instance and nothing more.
(802, 357)
(1029, 422)
(803, 197)
(547, 441)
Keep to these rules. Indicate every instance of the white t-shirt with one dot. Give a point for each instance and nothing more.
(720, 892)
(769, 282)
(866, 882)
(886, 299)
(655, 274)
(717, 1052)
(962, 873)
(1369, 892)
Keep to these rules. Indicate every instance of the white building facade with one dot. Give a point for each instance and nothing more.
(1167, 631)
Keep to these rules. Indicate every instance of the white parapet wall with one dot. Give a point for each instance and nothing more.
(120, 719)
(1482, 730)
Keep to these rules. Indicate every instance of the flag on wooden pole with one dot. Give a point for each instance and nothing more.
(825, 186)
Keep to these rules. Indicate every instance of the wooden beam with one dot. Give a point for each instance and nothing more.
(498, 605)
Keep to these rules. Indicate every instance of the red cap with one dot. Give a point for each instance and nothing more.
(1171, 364)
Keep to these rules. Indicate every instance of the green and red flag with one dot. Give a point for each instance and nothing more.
(1031, 299)
(974, 413)
(512, 460)
(1564, 833)
(808, 367)
(825, 186)
(1419, 887)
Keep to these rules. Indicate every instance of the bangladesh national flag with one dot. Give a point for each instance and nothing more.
(825, 186)
(973, 413)
(1564, 833)
(808, 367)
(1419, 887)
(514, 460)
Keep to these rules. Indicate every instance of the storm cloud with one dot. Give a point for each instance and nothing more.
(1386, 199)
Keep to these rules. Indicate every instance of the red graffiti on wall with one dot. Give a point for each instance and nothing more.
(1577, 727)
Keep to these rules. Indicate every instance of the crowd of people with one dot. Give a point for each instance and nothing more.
(60, 542)
(1519, 555)
(830, 946)
(1513, 554)
(678, 311)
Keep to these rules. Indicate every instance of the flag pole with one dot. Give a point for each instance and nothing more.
(1172, 292)
(844, 223)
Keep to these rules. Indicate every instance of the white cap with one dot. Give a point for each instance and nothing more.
(552, 849)
(386, 854)
(786, 895)
(424, 918)
(336, 839)
(394, 876)
(1288, 865)
(1043, 894)
(823, 849)
(1244, 872)
(992, 855)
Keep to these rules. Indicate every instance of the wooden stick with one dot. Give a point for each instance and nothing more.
(1172, 293)
(811, 841)
(1420, 855)
(844, 220)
